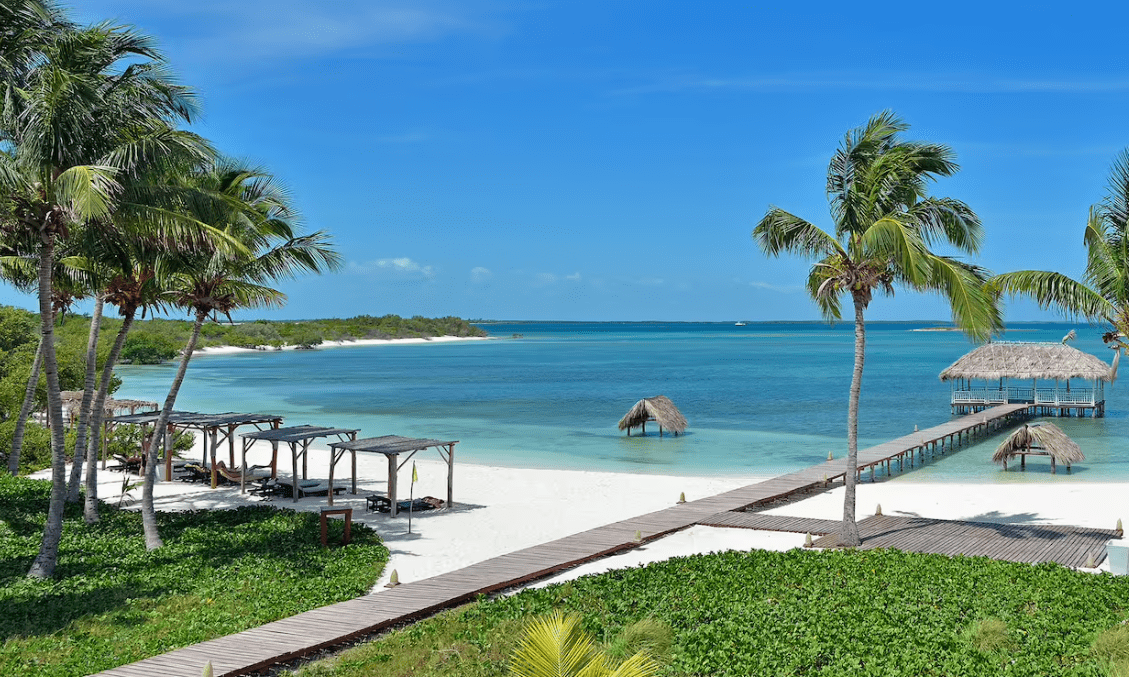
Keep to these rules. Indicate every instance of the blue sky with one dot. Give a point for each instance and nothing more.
(607, 160)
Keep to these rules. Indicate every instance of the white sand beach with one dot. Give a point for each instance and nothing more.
(500, 510)
(228, 350)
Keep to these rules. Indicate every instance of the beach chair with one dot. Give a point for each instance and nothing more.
(309, 488)
(254, 473)
(128, 464)
(380, 503)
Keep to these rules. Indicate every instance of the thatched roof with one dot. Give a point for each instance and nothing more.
(1046, 437)
(659, 409)
(72, 399)
(1026, 361)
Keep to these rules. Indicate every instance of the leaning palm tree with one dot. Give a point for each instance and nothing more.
(885, 224)
(251, 209)
(1103, 293)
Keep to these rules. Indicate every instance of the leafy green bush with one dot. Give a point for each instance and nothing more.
(113, 602)
(148, 348)
(127, 439)
(35, 454)
(253, 335)
(835, 614)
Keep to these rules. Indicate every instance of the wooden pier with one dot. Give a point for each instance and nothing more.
(306, 633)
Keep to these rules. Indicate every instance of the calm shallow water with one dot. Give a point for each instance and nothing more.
(760, 399)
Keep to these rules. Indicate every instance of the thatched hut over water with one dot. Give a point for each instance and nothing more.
(998, 365)
(1042, 439)
(658, 409)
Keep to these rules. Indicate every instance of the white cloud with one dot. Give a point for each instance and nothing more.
(575, 277)
(402, 265)
(480, 274)
(546, 278)
(281, 29)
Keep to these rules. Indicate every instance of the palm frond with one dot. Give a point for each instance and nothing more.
(976, 311)
(88, 189)
(1053, 290)
(780, 231)
(892, 240)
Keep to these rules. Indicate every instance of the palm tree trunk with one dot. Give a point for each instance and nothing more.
(90, 508)
(45, 561)
(87, 396)
(25, 411)
(850, 536)
(148, 515)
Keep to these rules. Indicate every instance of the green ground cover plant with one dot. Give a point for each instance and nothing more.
(112, 602)
(794, 613)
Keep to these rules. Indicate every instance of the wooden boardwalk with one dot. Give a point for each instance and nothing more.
(1032, 543)
(762, 522)
(306, 633)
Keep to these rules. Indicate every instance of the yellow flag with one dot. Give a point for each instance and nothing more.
(415, 475)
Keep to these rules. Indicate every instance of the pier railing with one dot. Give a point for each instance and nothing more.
(1018, 395)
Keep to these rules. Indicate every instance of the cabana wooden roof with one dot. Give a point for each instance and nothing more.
(1027, 361)
(1045, 437)
(659, 409)
(73, 398)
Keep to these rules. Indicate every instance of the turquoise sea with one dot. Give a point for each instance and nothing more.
(765, 398)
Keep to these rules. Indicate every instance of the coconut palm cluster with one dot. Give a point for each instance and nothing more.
(106, 194)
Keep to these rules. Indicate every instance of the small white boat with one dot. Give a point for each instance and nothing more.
(739, 324)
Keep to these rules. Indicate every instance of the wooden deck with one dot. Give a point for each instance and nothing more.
(306, 633)
(1032, 543)
(762, 522)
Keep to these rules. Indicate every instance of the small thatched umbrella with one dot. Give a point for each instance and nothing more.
(1044, 439)
(659, 409)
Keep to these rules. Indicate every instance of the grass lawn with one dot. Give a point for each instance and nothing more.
(112, 602)
(797, 613)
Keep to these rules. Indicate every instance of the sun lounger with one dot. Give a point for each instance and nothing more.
(381, 503)
(253, 474)
(309, 488)
(129, 464)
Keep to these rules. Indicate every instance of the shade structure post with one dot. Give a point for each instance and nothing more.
(353, 438)
(392, 458)
(450, 476)
(294, 468)
(332, 464)
(214, 443)
(231, 444)
(168, 453)
(274, 459)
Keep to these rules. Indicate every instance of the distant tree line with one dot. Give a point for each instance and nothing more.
(159, 340)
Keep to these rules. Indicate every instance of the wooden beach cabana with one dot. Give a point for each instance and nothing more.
(392, 446)
(72, 403)
(1010, 373)
(1040, 439)
(658, 409)
(299, 438)
(215, 428)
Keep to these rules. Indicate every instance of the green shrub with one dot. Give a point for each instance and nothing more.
(35, 454)
(127, 439)
(147, 348)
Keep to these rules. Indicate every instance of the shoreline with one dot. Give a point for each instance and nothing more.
(500, 510)
(345, 343)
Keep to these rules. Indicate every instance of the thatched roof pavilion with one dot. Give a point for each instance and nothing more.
(659, 409)
(1000, 363)
(1041, 439)
(1027, 361)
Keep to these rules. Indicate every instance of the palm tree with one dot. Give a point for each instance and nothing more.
(251, 209)
(885, 224)
(1103, 293)
(95, 104)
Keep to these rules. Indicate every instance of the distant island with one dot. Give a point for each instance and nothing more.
(159, 340)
